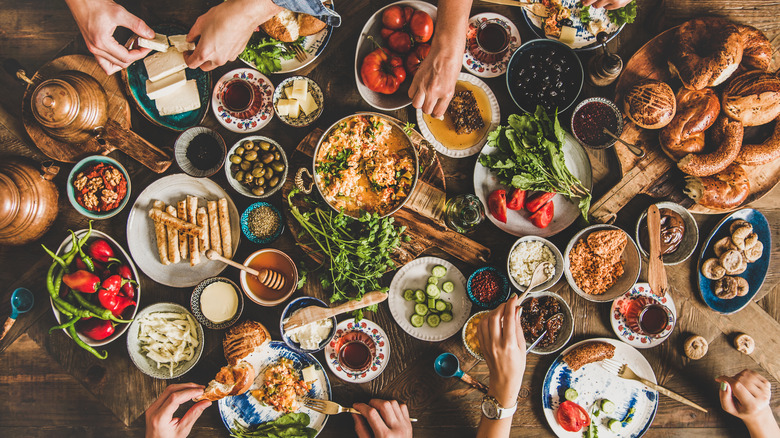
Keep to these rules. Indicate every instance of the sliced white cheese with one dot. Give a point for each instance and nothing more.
(186, 98)
(294, 109)
(309, 373)
(288, 92)
(308, 105)
(164, 64)
(159, 43)
(283, 107)
(166, 85)
(568, 34)
(300, 89)
(180, 42)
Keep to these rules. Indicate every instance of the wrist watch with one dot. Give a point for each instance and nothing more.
(493, 410)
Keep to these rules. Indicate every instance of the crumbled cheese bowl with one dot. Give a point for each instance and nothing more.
(309, 338)
(526, 254)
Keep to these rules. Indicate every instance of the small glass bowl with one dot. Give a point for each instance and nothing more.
(503, 293)
(248, 233)
(618, 116)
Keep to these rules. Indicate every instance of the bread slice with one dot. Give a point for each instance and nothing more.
(230, 380)
(244, 339)
(309, 25)
(283, 26)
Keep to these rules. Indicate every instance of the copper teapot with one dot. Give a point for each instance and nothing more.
(28, 199)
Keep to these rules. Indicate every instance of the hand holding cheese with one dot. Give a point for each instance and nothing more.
(167, 84)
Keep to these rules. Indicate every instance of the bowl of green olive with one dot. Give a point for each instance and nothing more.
(256, 166)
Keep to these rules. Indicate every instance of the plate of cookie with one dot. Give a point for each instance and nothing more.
(734, 261)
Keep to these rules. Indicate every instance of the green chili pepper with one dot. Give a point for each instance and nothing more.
(56, 258)
(84, 257)
(97, 311)
(82, 344)
(65, 325)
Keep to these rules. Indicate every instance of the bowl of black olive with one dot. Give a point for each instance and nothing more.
(256, 166)
(199, 151)
(544, 72)
(546, 314)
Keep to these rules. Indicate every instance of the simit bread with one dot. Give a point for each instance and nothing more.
(243, 339)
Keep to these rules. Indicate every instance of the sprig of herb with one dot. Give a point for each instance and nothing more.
(267, 53)
(409, 128)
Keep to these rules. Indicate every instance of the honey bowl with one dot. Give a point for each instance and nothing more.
(274, 260)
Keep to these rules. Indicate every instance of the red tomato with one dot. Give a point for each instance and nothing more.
(400, 42)
(516, 199)
(385, 32)
(572, 417)
(382, 72)
(537, 200)
(408, 12)
(393, 17)
(497, 204)
(543, 216)
(415, 58)
(421, 26)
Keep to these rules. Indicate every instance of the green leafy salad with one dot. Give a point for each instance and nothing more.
(293, 425)
(267, 53)
(530, 157)
(618, 17)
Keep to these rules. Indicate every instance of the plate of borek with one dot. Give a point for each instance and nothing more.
(278, 390)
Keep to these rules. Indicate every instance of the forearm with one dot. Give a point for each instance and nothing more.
(763, 425)
(259, 11)
(451, 25)
(498, 428)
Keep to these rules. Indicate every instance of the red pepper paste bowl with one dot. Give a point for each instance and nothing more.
(78, 197)
(488, 287)
(589, 119)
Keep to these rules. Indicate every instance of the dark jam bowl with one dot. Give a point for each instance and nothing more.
(544, 72)
(501, 295)
(205, 146)
(589, 119)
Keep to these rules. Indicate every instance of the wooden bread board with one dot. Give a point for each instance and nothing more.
(421, 214)
(656, 174)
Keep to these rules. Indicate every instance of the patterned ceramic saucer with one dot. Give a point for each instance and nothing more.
(621, 328)
(258, 114)
(364, 331)
(483, 64)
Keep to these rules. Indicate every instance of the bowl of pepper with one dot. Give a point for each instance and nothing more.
(591, 120)
(262, 223)
(98, 187)
(200, 152)
(488, 287)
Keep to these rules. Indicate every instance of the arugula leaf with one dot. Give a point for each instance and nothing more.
(266, 53)
(292, 425)
(624, 15)
(585, 15)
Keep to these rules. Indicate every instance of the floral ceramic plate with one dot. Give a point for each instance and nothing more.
(254, 118)
(483, 64)
(624, 332)
(584, 39)
(364, 331)
(304, 119)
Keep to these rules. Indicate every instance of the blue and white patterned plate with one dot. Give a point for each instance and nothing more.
(755, 272)
(304, 119)
(624, 332)
(381, 357)
(584, 39)
(248, 411)
(482, 64)
(593, 383)
(256, 117)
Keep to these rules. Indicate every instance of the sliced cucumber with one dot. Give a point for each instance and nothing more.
(419, 296)
(439, 271)
(614, 425)
(449, 306)
(570, 394)
(417, 320)
(446, 316)
(432, 303)
(432, 291)
(448, 286)
(433, 280)
(441, 305)
(433, 320)
(409, 295)
(421, 309)
(607, 406)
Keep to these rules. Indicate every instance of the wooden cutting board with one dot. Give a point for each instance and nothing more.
(422, 213)
(655, 174)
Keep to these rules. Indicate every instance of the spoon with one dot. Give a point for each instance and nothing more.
(268, 277)
(447, 365)
(21, 302)
(537, 278)
(636, 150)
(539, 339)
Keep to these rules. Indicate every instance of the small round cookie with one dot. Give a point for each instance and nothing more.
(744, 344)
(754, 252)
(726, 288)
(731, 261)
(738, 224)
(723, 245)
(743, 287)
(712, 269)
(696, 347)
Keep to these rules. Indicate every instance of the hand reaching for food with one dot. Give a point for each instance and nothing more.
(386, 419)
(160, 422)
(606, 4)
(746, 396)
(97, 21)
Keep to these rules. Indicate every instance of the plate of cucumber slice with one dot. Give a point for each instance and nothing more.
(428, 299)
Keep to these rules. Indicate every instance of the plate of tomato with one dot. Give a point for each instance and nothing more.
(592, 397)
(390, 48)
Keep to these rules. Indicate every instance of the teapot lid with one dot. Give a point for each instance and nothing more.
(55, 103)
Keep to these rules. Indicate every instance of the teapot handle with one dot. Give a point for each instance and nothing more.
(114, 136)
(14, 68)
(49, 170)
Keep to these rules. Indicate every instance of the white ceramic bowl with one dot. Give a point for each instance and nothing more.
(463, 335)
(238, 186)
(558, 264)
(689, 241)
(303, 119)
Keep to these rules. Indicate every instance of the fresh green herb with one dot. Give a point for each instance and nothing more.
(303, 273)
(330, 168)
(266, 53)
(293, 425)
(408, 128)
(530, 157)
(618, 17)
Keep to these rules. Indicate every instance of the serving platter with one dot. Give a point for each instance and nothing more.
(584, 40)
(593, 383)
(140, 229)
(755, 273)
(414, 275)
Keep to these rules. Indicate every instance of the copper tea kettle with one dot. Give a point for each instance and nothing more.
(28, 199)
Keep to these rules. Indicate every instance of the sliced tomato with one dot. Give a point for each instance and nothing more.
(516, 199)
(537, 200)
(572, 417)
(543, 216)
(497, 204)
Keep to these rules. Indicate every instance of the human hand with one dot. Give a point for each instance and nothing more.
(224, 31)
(387, 419)
(503, 348)
(606, 4)
(97, 21)
(159, 416)
(434, 83)
(746, 396)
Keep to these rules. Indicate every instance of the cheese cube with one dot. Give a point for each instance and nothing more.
(180, 43)
(166, 85)
(283, 107)
(294, 109)
(309, 373)
(568, 34)
(288, 92)
(164, 64)
(159, 43)
(300, 89)
(186, 98)
(308, 105)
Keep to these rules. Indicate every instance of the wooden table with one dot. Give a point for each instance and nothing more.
(52, 388)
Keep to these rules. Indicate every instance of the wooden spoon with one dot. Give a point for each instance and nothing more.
(270, 278)
(310, 314)
(537, 278)
(656, 273)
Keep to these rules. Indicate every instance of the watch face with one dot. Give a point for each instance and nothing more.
(490, 409)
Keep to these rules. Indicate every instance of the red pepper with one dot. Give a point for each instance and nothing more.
(543, 216)
(82, 281)
(516, 199)
(96, 328)
(537, 200)
(101, 251)
(125, 272)
(122, 304)
(497, 204)
(109, 295)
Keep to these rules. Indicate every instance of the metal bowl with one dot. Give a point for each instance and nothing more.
(558, 264)
(567, 328)
(317, 180)
(689, 241)
(615, 110)
(237, 186)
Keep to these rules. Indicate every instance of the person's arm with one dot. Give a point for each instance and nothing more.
(159, 416)
(97, 21)
(434, 84)
(385, 419)
(746, 396)
(607, 4)
(503, 347)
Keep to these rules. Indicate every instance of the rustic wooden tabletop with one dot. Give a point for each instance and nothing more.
(52, 388)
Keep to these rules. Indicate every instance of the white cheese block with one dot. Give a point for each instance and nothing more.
(288, 92)
(180, 42)
(300, 89)
(186, 98)
(294, 109)
(159, 43)
(568, 34)
(164, 64)
(166, 85)
(308, 105)
(309, 373)
(283, 107)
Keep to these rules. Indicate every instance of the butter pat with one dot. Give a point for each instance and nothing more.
(164, 64)
(166, 85)
(300, 89)
(180, 43)
(568, 34)
(186, 98)
(159, 43)
(308, 105)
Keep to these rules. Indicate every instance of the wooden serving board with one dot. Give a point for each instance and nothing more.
(656, 174)
(118, 112)
(422, 213)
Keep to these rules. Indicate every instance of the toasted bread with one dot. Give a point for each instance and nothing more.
(230, 380)
(283, 26)
(309, 25)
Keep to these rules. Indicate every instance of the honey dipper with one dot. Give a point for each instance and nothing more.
(268, 277)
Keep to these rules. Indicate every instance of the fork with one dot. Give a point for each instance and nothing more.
(300, 54)
(623, 371)
(328, 407)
